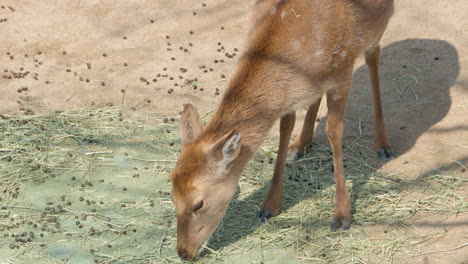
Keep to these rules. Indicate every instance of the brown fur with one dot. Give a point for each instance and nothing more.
(297, 51)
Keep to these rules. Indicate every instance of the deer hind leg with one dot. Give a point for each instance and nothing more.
(384, 152)
(336, 102)
(272, 202)
(297, 149)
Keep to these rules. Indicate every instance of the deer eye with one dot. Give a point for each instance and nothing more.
(198, 206)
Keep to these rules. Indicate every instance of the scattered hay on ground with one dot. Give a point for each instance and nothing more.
(90, 186)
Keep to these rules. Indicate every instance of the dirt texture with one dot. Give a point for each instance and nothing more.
(153, 56)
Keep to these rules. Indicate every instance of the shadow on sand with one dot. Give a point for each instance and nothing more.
(416, 76)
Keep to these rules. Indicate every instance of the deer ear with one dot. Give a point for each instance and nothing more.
(227, 149)
(190, 125)
(231, 147)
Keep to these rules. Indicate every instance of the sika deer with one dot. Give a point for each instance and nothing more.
(297, 51)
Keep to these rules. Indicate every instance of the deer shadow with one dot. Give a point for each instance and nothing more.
(416, 77)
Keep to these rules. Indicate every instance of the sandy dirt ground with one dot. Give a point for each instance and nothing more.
(66, 54)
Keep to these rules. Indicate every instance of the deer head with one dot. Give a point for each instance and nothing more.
(201, 186)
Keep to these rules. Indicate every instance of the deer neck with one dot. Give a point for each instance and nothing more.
(249, 107)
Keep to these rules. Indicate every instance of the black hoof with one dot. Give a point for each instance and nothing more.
(337, 223)
(264, 215)
(295, 156)
(385, 154)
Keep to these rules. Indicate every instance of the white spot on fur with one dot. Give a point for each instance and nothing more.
(344, 54)
(336, 50)
(296, 44)
(318, 53)
(283, 14)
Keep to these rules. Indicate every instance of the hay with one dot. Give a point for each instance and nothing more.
(93, 182)
(85, 165)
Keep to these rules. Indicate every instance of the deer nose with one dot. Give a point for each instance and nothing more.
(183, 254)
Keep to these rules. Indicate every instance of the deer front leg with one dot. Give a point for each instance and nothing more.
(336, 105)
(272, 202)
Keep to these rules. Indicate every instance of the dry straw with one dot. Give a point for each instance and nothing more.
(108, 173)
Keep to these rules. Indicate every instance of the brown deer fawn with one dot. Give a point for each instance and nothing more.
(297, 51)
